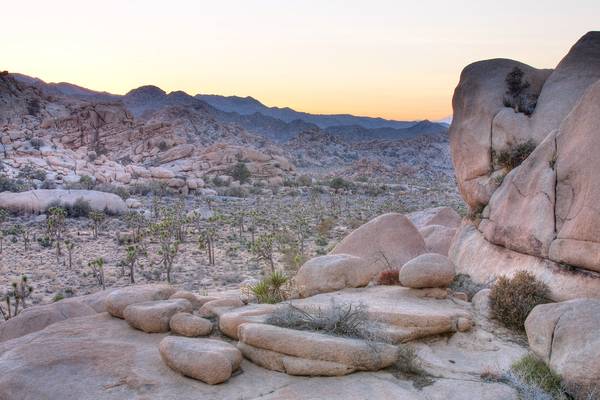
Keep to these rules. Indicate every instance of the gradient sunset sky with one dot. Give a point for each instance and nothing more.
(394, 59)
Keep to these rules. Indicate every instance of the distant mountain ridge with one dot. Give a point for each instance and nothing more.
(274, 123)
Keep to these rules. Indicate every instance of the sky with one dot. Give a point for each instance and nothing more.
(388, 58)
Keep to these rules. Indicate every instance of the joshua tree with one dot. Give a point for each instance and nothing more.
(166, 232)
(20, 291)
(301, 227)
(56, 226)
(137, 223)
(208, 235)
(97, 267)
(26, 235)
(97, 218)
(134, 252)
(70, 246)
(263, 249)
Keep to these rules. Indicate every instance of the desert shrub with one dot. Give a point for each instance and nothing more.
(240, 172)
(514, 156)
(235, 191)
(163, 146)
(44, 241)
(515, 96)
(304, 180)
(512, 299)
(36, 143)
(30, 172)
(534, 380)
(389, 277)
(339, 183)
(271, 289)
(345, 319)
(12, 185)
(464, 283)
(218, 181)
(81, 208)
(325, 226)
(86, 182)
(120, 191)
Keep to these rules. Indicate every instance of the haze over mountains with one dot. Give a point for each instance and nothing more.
(275, 123)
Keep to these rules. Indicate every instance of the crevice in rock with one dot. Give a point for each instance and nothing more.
(555, 169)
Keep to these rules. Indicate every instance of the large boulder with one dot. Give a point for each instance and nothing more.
(117, 301)
(565, 335)
(438, 238)
(444, 216)
(230, 321)
(310, 353)
(154, 316)
(210, 361)
(333, 272)
(387, 241)
(38, 201)
(427, 271)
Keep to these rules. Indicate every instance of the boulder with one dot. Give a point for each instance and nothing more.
(38, 201)
(427, 271)
(438, 238)
(285, 349)
(37, 318)
(387, 241)
(117, 301)
(481, 302)
(154, 316)
(133, 203)
(214, 308)
(333, 272)
(207, 360)
(565, 335)
(230, 320)
(444, 216)
(162, 173)
(190, 325)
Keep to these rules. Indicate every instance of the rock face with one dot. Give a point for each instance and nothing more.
(544, 206)
(333, 272)
(438, 238)
(117, 301)
(154, 316)
(38, 201)
(189, 325)
(444, 216)
(309, 353)
(210, 361)
(387, 241)
(427, 271)
(565, 335)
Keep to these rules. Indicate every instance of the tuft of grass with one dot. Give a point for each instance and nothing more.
(534, 380)
(512, 299)
(514, 156)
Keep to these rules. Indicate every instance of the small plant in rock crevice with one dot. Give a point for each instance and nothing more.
(515, 155)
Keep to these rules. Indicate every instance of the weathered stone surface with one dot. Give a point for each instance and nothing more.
(190, 325)
(387, 241)
(577, 214)
(520, 215)
(229, 321)
(37, 318)
(354, 353)
(154, 316)
(210, 361)
(214, 308)
(444, 216)
(117, 301)
(481, 302)
(37, 201)
(426, 271)
(399, 314)
(333, 272)
(475, 256)
(438, 238)
(566, 336)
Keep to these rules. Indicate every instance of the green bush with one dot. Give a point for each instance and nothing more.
(339, 183)
(512, 299)
(240, 172)
(531, 375)
(86, 182)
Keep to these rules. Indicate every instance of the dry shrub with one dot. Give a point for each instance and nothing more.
(512, 299)
(389, 277)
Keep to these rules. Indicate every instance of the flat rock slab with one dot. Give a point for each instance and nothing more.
(154, 316)
(402, 314)
(311, 353)
(210, 361)
(117, 301)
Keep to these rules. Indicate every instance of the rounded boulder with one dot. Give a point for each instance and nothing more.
(427, 271)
